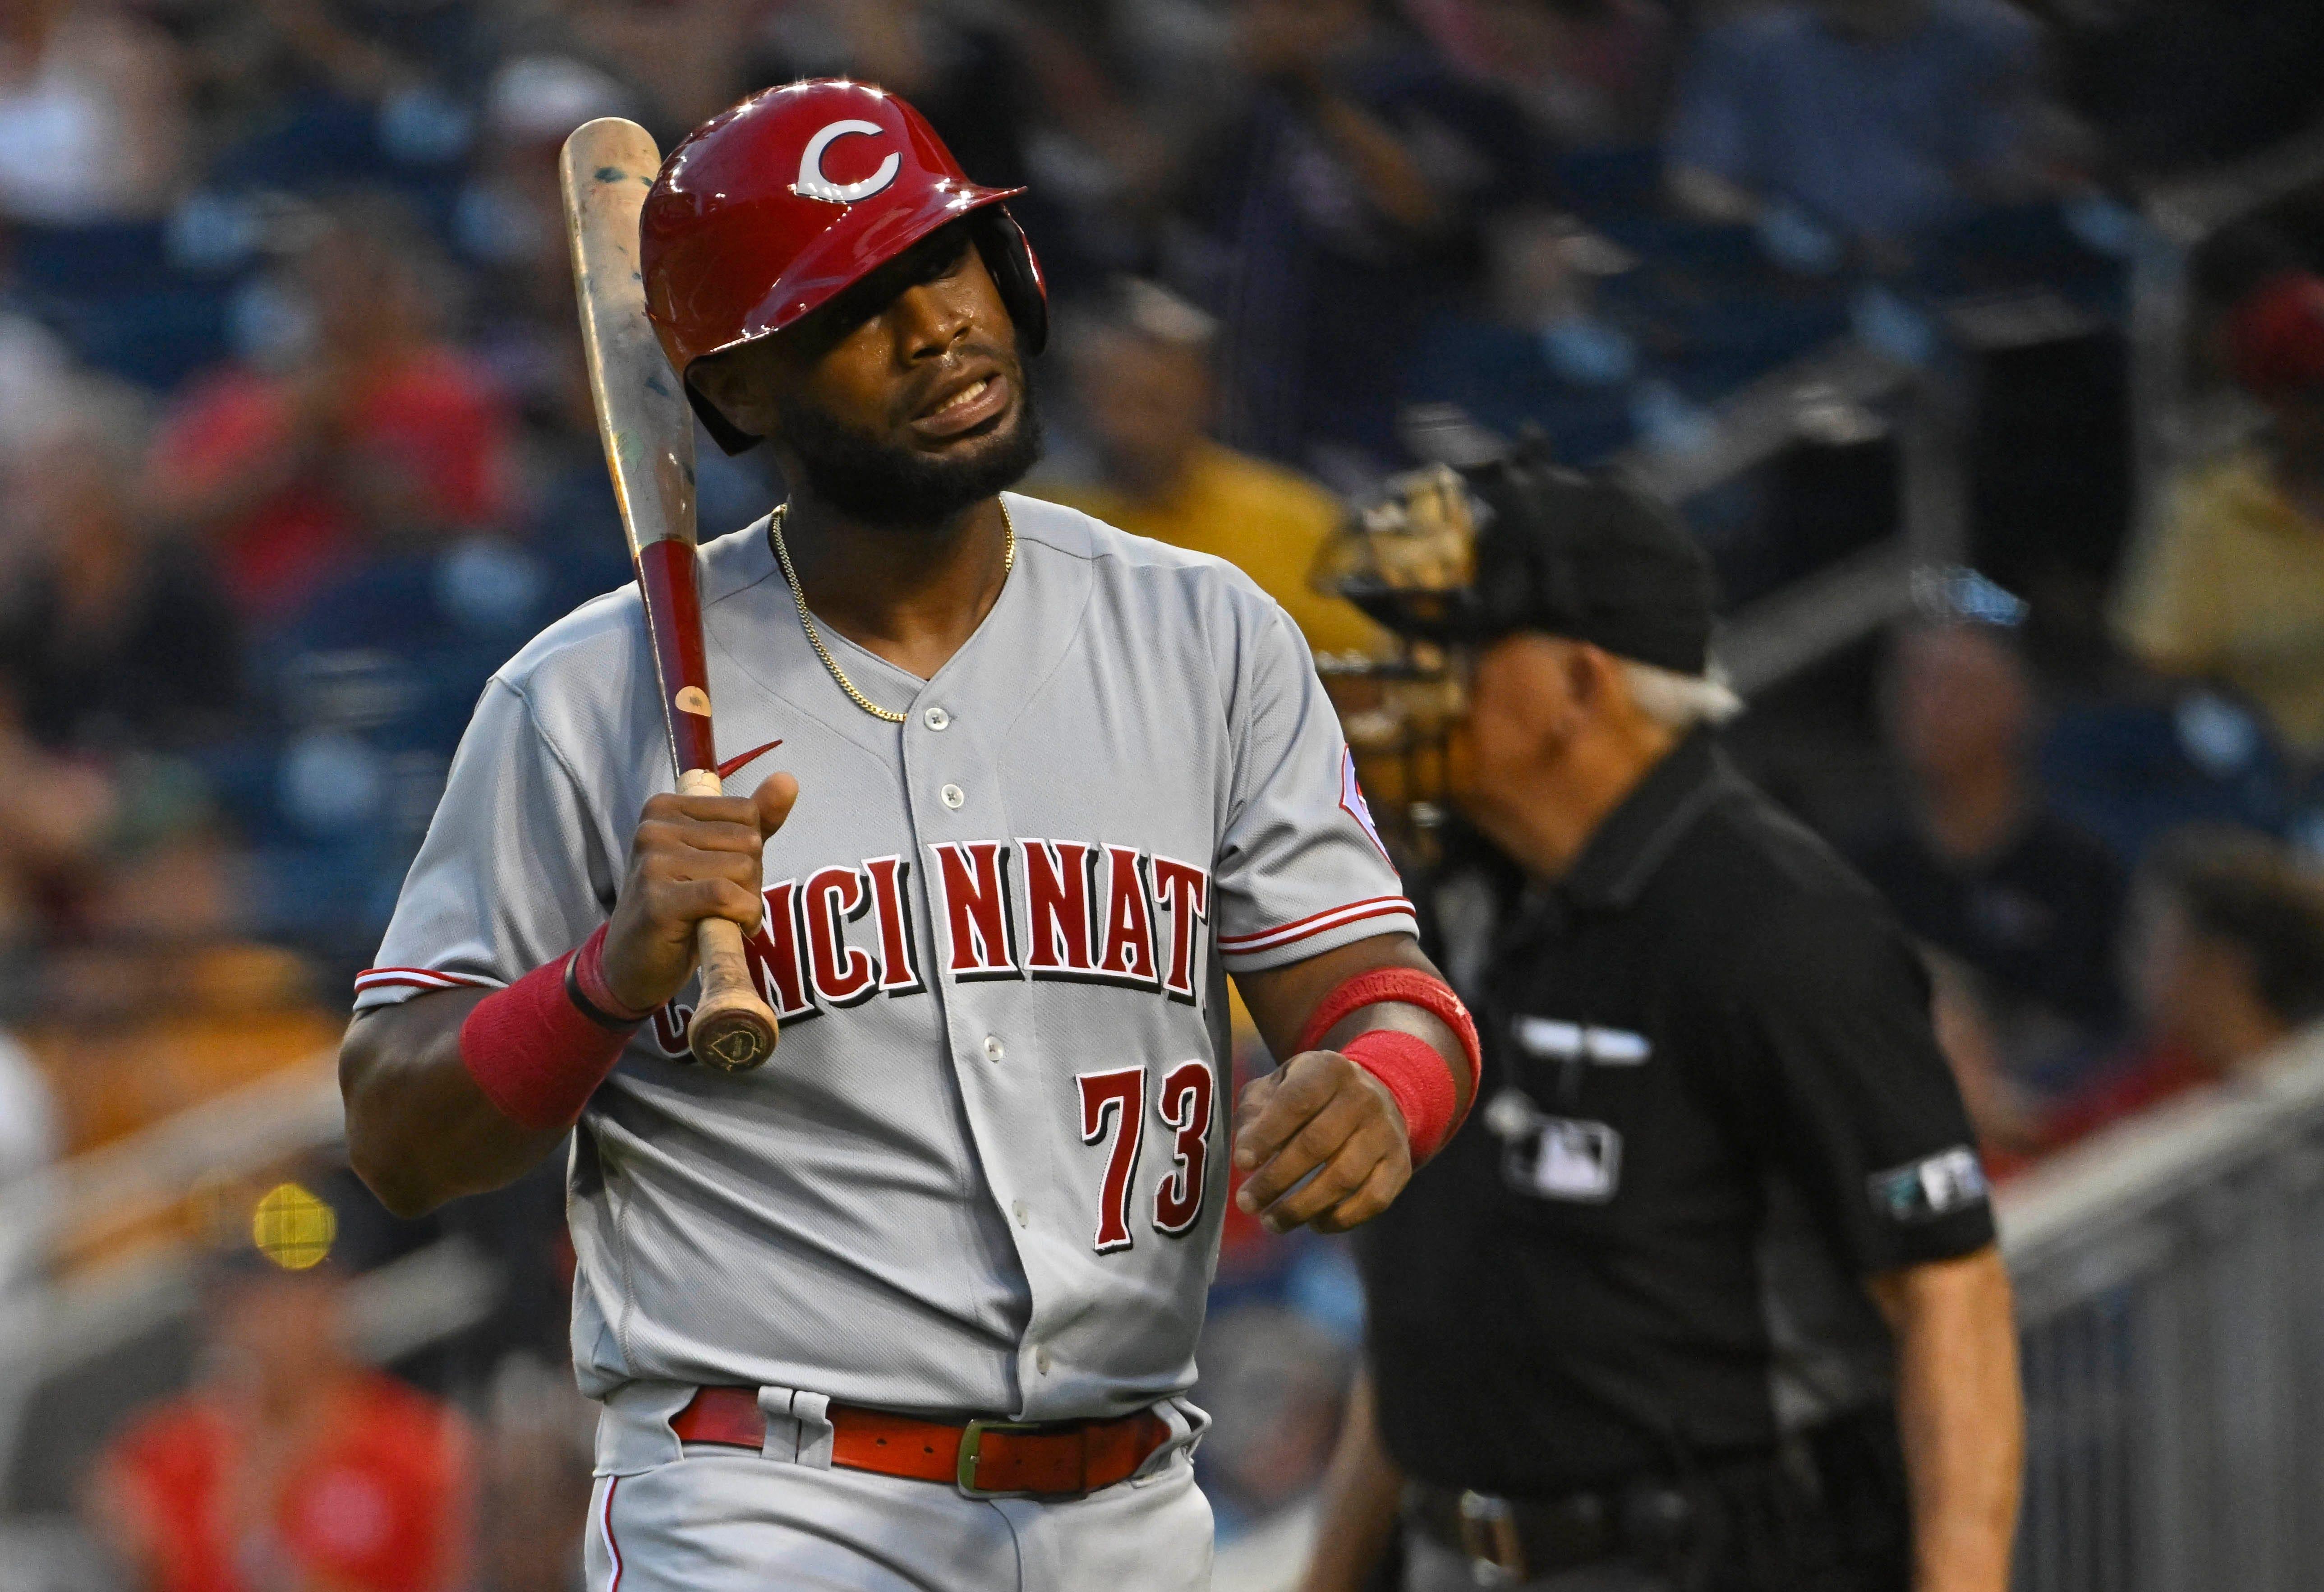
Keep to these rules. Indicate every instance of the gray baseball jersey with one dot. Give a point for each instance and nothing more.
(985, 1169)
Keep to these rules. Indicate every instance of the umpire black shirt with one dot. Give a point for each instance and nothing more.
(1711, 1105)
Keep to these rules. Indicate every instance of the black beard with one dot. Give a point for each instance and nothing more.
(899, 488)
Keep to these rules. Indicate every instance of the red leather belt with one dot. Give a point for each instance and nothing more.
(1040, 1460)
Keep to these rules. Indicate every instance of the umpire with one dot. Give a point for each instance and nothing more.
(1707, 1298)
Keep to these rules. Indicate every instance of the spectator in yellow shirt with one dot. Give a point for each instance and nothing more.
(1141, 378)
(2232, 589)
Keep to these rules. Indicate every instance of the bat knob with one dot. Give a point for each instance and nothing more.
(733, 1028)
(732, 1038)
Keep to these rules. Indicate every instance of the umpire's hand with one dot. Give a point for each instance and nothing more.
(1322, 1114)
(693, 857)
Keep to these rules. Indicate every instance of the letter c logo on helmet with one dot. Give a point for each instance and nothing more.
(813, 184)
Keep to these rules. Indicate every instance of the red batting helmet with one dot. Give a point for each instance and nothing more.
(776, 206)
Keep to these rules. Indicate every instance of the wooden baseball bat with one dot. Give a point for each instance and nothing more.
(648, 432)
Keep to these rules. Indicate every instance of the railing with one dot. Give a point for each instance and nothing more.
(87, 1342)
(2170, 1293)
(86, 1200)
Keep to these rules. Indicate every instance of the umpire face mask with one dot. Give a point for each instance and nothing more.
(1454, 562)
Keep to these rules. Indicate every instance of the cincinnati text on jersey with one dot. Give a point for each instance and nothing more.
(1067, 911)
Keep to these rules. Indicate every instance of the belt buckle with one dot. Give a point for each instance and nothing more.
(972, 1443)
(1488, 1538)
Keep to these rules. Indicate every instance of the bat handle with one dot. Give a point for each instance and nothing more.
(733, 1028)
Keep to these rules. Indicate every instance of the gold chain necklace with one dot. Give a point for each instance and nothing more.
(806, 620)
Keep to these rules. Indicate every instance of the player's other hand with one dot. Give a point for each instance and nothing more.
(693, 857)
(1319, 1111)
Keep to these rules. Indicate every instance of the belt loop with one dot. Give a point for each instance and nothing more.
(799, 1426)
(1489, 1539)
(634, 1430)
(1187, 1422)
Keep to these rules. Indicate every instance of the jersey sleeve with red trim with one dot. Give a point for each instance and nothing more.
(512, 871)
(1300, 869)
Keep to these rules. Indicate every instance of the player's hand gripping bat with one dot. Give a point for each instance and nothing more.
(648, 432)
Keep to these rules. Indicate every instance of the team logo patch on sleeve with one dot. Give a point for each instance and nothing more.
(1925, 1190)
(1353, 802)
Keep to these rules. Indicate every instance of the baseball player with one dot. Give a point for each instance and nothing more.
(915, 1304)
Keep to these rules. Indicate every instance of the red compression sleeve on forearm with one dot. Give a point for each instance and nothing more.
(1406, 986)
(1415, 1077)
(534, 1053)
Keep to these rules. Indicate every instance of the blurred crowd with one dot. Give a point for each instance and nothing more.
(296, 448)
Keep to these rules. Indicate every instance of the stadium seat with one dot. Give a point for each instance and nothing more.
(2130, 771)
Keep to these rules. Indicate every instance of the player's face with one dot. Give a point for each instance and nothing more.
(903, 402)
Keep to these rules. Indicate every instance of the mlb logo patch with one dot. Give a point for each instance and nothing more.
(1554, 1157)
(1563, 1159)
(1951, 1180)
(1353, 802)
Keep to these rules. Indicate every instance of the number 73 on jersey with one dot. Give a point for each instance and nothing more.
(1113, 1114)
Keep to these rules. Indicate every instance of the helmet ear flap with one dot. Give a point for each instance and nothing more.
(722, 431)
(1009, 259)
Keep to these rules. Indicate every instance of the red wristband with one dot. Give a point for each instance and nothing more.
(534, 1053)
(1415, 1077)
(1406, 987)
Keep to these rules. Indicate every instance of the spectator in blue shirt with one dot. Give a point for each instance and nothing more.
(1876, 119)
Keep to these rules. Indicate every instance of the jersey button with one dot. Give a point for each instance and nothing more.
(952, 796)
(935, 719)
(1023, 1213)
(1041, 1359)
(992, 1050)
